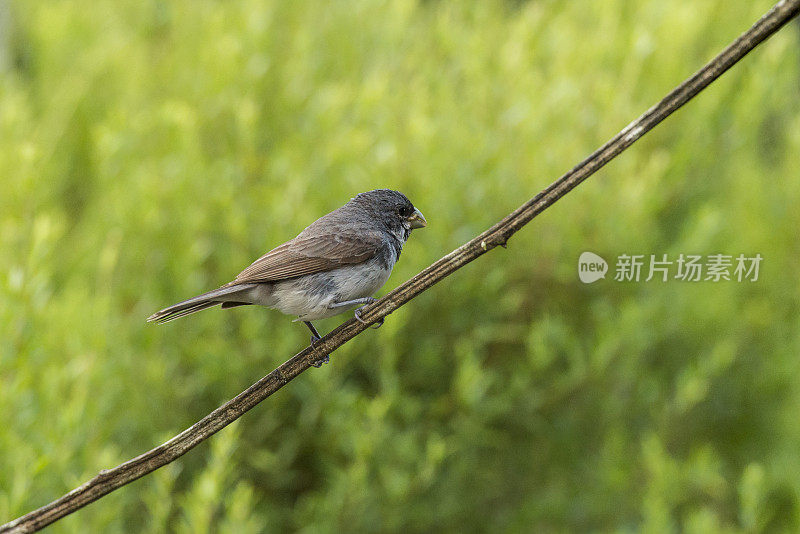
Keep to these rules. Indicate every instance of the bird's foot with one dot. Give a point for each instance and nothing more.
(314, 338)
(357, 315)
(320, 362)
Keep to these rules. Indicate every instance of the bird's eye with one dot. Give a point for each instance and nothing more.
(405, 211)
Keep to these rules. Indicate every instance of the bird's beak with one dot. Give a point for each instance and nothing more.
(417, 220)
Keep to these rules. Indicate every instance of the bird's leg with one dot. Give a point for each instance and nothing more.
(314, 338)
(364, 302)
(345, 303)
(314, 334)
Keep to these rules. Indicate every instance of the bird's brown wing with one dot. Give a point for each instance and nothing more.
(311, 254)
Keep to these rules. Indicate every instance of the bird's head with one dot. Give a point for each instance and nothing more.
(393, 209)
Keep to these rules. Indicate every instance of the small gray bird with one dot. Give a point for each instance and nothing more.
(339, 261)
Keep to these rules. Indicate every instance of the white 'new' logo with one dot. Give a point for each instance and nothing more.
(591, 267)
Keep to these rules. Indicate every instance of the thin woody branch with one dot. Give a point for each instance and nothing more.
(109, 480)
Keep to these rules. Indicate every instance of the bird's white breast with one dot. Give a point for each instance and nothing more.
(309, 297)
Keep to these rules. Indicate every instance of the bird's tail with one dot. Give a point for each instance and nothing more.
(225, 294)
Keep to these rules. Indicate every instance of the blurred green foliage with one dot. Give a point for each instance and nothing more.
(150, 149)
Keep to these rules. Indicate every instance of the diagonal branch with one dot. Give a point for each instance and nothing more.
(111, 479)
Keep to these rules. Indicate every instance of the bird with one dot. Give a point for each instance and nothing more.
(336, 263)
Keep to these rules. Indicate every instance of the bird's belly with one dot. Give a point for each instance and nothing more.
(359, 281)
(309, 297)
